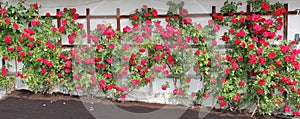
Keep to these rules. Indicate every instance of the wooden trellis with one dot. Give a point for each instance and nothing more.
(118, 18)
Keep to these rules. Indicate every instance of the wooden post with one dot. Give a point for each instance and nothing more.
(248, 9)
(3, 61)
(118, 19)
(58, 25)
(248, 13)
(213, 11)
(285, 18)
(88, 25)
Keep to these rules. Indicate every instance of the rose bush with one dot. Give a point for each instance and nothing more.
(117, 62)
(275, 66)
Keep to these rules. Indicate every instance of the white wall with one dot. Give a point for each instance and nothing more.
(108, 7)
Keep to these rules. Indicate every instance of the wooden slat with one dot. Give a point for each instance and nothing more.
(118, 19)
(248, 13)
(3, 61)
(285, 27)
(213, 11)
(248, 9)
(58, 25)
(88, 25)
(161, 16)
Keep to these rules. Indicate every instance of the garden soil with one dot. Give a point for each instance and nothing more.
(27, 105)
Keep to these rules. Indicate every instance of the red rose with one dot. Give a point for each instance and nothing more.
(272, 55)
(184, 12)
(10, 49)
(111, 46)
(277, 12)
(163, 87)
(175, 91)
(147, 14)
(210, 22)
(220, 17)
(252, 61)
(285, 79)
(35, 23)
(35, 6)
(256, 27)
(240, 58)
(5, 57)
(224, 80)
(166, 72)
(296, 114)
(206, 95)
(22, 54)
(62, 29)
(261, 60)
(234, 20)
(43, 70)
(251, 46)
(228, 57)
(134, 17)
(241, 33)
(73, 10)
(220, 98)
(225, 38)
(262, 82)
(197, 52)
(196, 40)
(123, 96)
(4, 71)
(287, 108)
(242, 20)
(158, 46)
(214, 43)
(234, 65)
(231, 31)
(259, 50)
(64, 22)
(7, 39)
(71, 39)
(284, 49)
(241, 83)
(255, 17)
(265, 6)
(188, 80)
(59, 14)
(283, 10)
(187, 21)
(154, 12)
(19, 48)
(3, 11)
(47, 14)
(135, 82)
(216, 27)
(278, 63)
(109, 60)
(126, 29)
(222, 104)
(260, 91)
(80, 26)
(7, 20)
(54, 29)
(15, 26)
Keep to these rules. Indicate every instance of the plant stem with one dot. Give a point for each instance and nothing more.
(255, 108)
(14, 81)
